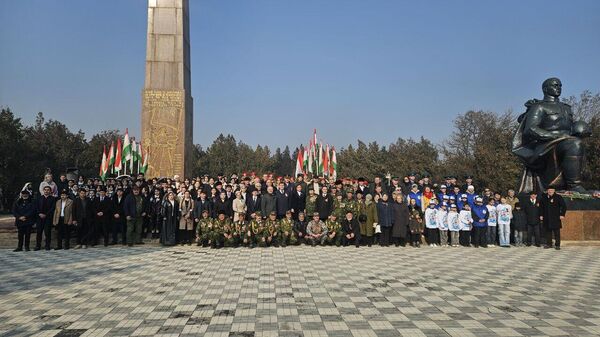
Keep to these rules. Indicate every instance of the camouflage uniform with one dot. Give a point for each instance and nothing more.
(334, 232)
(241, 232)
(311, 204)
(271, 231)
(285, 226)
(257, 228)
(351, 206)
(339, 208)
(219, 228)
(203, 231)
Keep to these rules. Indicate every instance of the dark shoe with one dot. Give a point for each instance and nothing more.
(36, 249)
(58, 248)
(140, 243)
(547, 247)
(18, 250)
(557, 248)
(130, 245)
(27, 249)
(47, 248)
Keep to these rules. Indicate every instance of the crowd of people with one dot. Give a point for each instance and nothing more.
(250, 211)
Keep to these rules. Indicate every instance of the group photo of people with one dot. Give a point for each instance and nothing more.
(267, 211)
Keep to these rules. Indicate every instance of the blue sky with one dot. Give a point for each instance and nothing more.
(270, 71)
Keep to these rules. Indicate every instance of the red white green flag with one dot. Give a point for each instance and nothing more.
(333, 172)
(119, 150)
(104, 165)
(111, 157)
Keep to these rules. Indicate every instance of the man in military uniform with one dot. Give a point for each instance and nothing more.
(217, 239)
(285, 235)
(203, 229)
(241, 230)
(271, 229)
(548, 141)
(334, 230)
(316, 231)
(255, 230)
(350, 204)
(311, 201)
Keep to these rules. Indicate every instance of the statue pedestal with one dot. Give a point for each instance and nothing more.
(582, 222)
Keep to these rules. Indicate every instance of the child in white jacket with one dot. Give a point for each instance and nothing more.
(466, 225)
(442, 221)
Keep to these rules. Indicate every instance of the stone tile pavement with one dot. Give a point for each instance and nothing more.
(301, 291)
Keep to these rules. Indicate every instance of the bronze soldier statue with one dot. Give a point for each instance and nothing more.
(549, 143)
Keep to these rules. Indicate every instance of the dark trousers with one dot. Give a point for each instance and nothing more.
(386, 233)
(346, 241)
(184, 236)
(556, 233)
(134, 230)
(102, 227)
(367, 240)
(64, 233)
(433, 236)
(415, 238)
(43, 226)
(84, 231)
(464, 238)
(481, 238)
(118, 226)
(533, 233)
(24, 234)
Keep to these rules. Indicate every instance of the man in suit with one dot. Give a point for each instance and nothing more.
(62, 219)
(135, 210)
(298, 201)
(102, 214)
(83, 218)
(283, 201)
(45, 211)
(324, 204)
(531, 207)
(552, 212)
(118, 217)
(253, 202)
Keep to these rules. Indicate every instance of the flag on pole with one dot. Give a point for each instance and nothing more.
(305, 160)
(299, 161)
(320, 160)
(144, 167)
(333, 163)
(103, 165)
(311, 157)
(111, 157)
(326, 161)
(126, 149)
(119, 150)
(133, 155)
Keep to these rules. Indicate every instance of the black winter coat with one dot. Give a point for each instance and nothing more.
(25, 208)
(552, 208)
(400, 217)
(324, 205)
(532, 211)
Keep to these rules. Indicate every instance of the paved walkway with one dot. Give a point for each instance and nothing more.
(301, 291)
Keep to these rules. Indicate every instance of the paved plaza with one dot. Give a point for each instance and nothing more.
(301, 291)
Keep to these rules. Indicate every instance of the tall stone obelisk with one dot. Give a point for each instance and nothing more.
(167, 105)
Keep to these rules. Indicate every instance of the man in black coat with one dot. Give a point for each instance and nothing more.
(83, 218)
(253, 202)
(552, 212)
(45, 211)
(324, 204)
(283, 201)
(298, 201)
(531, 207)
(202, 204)
(102, 214)
(118, 217)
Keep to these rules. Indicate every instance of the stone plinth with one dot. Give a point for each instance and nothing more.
(582, 221)
(167, 105)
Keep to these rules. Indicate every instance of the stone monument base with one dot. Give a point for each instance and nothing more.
(582, 222)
